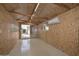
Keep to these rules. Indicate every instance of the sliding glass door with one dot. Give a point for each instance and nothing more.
(25, 31)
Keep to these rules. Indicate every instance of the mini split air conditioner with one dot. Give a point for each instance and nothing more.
(54, 21)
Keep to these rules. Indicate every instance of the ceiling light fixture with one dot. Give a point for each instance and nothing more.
(35, 10)
(30, 21)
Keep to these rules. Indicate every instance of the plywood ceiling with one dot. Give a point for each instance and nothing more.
(37, 13)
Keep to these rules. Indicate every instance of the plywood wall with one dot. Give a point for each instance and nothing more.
(8, 32)
(64, 36)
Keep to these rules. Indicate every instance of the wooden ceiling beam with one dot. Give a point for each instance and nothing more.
(19, 20)
(22, 22)
(19, 13)
(63, 5)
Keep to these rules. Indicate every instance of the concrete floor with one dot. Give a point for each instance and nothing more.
(35, 47)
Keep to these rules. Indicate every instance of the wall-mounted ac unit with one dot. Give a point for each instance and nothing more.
(54, 21)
